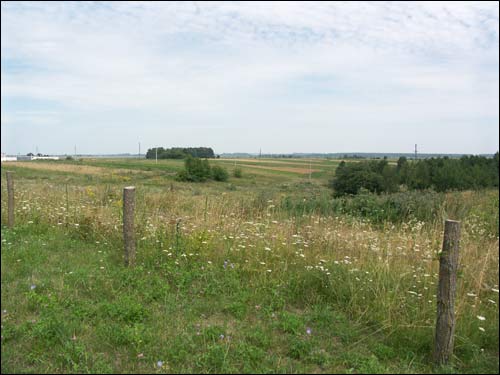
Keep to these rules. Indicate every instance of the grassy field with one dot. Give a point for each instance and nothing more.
(260, 274)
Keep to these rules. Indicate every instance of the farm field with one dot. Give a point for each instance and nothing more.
(263, 273)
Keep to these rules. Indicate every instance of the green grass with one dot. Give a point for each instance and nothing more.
(336, 299)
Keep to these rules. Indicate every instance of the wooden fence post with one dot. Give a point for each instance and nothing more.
(10, 198)
(128, 224)
(448, 265)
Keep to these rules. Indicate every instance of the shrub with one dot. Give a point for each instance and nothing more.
(237, 173)
(198, 170)
(195, 170)
(219, 173)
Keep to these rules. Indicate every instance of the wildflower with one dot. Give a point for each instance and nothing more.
(480, 317)
(221, 337)
(159, 363)
(225, 264)
(308, 330)
(33, 286)
(481, 329)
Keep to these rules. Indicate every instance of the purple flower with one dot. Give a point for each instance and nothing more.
(159, 363)
(33, 286)
(308, 330)
(221, 337)
(225, 263)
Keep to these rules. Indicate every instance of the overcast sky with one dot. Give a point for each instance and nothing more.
(239, 77)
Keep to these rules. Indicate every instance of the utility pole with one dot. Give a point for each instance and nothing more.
(139, 150)
(260, 153)
(156, 154)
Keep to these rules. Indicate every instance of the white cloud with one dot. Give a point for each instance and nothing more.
(259, 65)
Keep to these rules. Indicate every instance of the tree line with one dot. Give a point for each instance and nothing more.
(439, 174)
(180, 152)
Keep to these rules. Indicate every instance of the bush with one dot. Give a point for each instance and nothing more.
(195, 170)
(219, 173)
(237, 173)
(378, 208)
(350, 178)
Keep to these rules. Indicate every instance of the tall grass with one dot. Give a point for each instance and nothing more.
(372, 259)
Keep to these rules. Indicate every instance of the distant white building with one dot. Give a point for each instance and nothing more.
(8, 158)
(26, 157)
(45, 158)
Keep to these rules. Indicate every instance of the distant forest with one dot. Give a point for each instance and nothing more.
(180, 153)
(439, 174)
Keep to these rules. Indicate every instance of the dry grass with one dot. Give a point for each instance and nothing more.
(281, 169)
(384, 275)
(302, 162)
(80, 169)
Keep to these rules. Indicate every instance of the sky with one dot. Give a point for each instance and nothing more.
(248, 76)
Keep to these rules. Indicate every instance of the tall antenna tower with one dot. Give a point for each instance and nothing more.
(415, 151)
(139, 150)
(260, 153)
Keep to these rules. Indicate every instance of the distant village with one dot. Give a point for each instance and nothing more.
(27, 157)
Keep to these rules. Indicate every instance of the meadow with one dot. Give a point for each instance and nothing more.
(266, 273)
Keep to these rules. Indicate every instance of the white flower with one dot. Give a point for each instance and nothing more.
(481, 329)
(480, 317)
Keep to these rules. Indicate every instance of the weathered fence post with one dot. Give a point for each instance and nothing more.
(448, 265)
(10, 198)
(128, 224)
